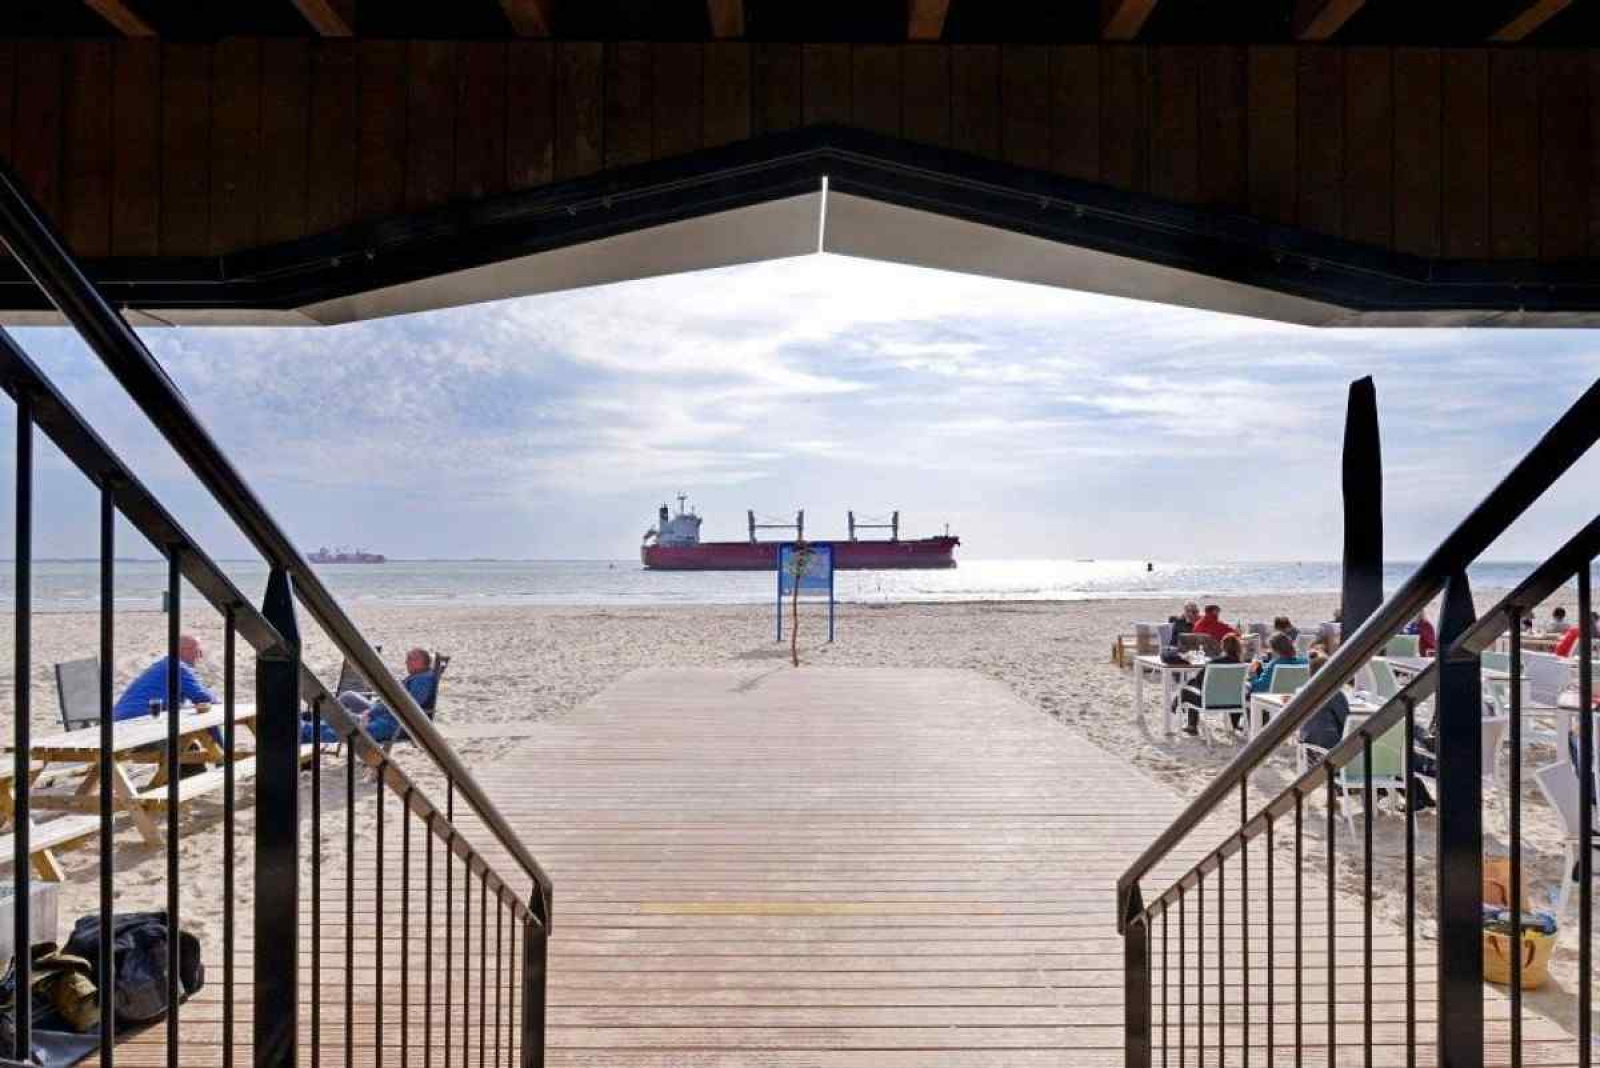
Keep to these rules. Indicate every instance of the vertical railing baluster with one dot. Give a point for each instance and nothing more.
(511, 1037)
(449, 932)
(1200, 975)
(1515, 830)
(1272, 952)
(174, 777)
(1366, 903)
(466, 961)
(1183, 980)
(349, 900)
(499, 965)
(229, 811)
(427, 948)
(108, 657)
(1411, 884)
(380, 796)
(1222, 962)
(316, 882)
(22, 710)
(405, 931)
(1586, 785)
(483, 967)
(1166, 1039)
(1332, 816)
(1299, 927)
(1244, 917)
(535, 971)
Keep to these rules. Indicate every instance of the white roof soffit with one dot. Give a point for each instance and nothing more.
(769, 231)
(857, 226)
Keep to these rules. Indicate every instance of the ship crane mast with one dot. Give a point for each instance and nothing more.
(798, 526)
(892, 526)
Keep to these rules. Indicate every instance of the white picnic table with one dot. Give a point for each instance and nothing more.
(1172, 676)
(1272, 704)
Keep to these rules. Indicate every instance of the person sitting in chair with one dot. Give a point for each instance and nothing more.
(1283, 652)
(421, 682)
(1190, 695)
(151, 685)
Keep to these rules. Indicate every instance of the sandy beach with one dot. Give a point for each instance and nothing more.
(514, 668)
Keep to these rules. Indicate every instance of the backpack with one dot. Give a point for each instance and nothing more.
(139, 967)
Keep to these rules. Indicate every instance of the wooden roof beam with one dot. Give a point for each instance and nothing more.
(1533, 15)
(925, 19)
(330, 18)
(529, 18)
(123, 17)
(1121, 20)
(1318, 20)
(727, 18)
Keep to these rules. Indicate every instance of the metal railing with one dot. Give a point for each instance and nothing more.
(1166, 1014)
(293, 714)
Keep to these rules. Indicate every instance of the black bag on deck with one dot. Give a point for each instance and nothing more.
(139, 968)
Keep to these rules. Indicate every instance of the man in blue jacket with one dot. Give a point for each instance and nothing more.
(151, 685)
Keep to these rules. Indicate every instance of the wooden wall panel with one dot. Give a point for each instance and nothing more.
(37, 121)
(333, 149)
(580, 109)
(1224, 175)
(136, 148)
(1025, 105)
(975, 99)
(678, 99)
(827, 83)
(925, 94)
(1417, 151)
(430, 122)
(875, 88)
(1464, 156)
(628, 112)
(1274, 135)
(530, 114)
(1594, 154)
(381, 165)
(8, 91)
(1175, 124)
(185, 149)
(481, 120)
(86, 153)
(1075, 111)
(779, 81)
(1125, 117)
(236, 145)
(1369, 106)
(285, 114)
(1320, 103)
(1513, 154)
(1563, 153)
(727, 94)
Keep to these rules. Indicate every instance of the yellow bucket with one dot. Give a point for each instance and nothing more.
(1536, 949)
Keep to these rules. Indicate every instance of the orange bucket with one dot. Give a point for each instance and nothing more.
(1536, 949)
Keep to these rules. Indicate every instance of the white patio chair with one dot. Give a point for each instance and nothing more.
(1287, 678)
(1403, 645)
(1387, 772)
(1221, 690)
(1559, 784)
(1545, 678)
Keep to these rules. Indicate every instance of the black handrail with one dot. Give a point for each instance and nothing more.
(33, 241)
(1560, 447)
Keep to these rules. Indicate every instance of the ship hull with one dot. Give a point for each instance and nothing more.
(920, 554)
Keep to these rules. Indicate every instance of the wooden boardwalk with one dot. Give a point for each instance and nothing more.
(840, 868)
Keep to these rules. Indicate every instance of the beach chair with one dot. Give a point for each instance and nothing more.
(1545, 678)
(1388, 770)
(1287, 678)
(78, 692)
(1221, 690)
(1559, 784)
(1403, 645)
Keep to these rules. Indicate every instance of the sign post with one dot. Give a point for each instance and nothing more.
(808, 568)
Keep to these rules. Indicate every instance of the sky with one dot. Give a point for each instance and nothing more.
(1035, 422)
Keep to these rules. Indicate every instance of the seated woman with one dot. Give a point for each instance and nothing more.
(1326, 726)
(1283, 653)
(1281, 623)
(1189, 696)
(380, 722)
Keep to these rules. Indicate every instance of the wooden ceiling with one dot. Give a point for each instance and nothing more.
(1386, 22)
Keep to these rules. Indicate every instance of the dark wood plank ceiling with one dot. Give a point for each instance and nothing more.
(1379, 22)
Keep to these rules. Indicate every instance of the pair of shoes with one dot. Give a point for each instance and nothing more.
(1191, 730)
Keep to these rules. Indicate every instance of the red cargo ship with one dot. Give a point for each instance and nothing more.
(674, 545)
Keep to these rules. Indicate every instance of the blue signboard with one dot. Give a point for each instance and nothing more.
(810, 567)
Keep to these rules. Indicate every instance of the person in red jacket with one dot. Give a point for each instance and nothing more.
(1211, 624)
(1569, 640)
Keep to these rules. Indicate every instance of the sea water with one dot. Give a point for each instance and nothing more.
(74, 585)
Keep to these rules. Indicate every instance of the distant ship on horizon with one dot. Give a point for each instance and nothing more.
(674, 544)
(346, 556)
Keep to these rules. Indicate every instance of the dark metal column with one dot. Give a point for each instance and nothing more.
(535, 941)
(277, 923)
(1363, 507)
(1135, 982)
(1460, 847)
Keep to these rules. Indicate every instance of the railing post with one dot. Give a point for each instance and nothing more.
(1363, 508)
(277, 920)
(1460, 842)
(535, 947)
(1135, 981)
